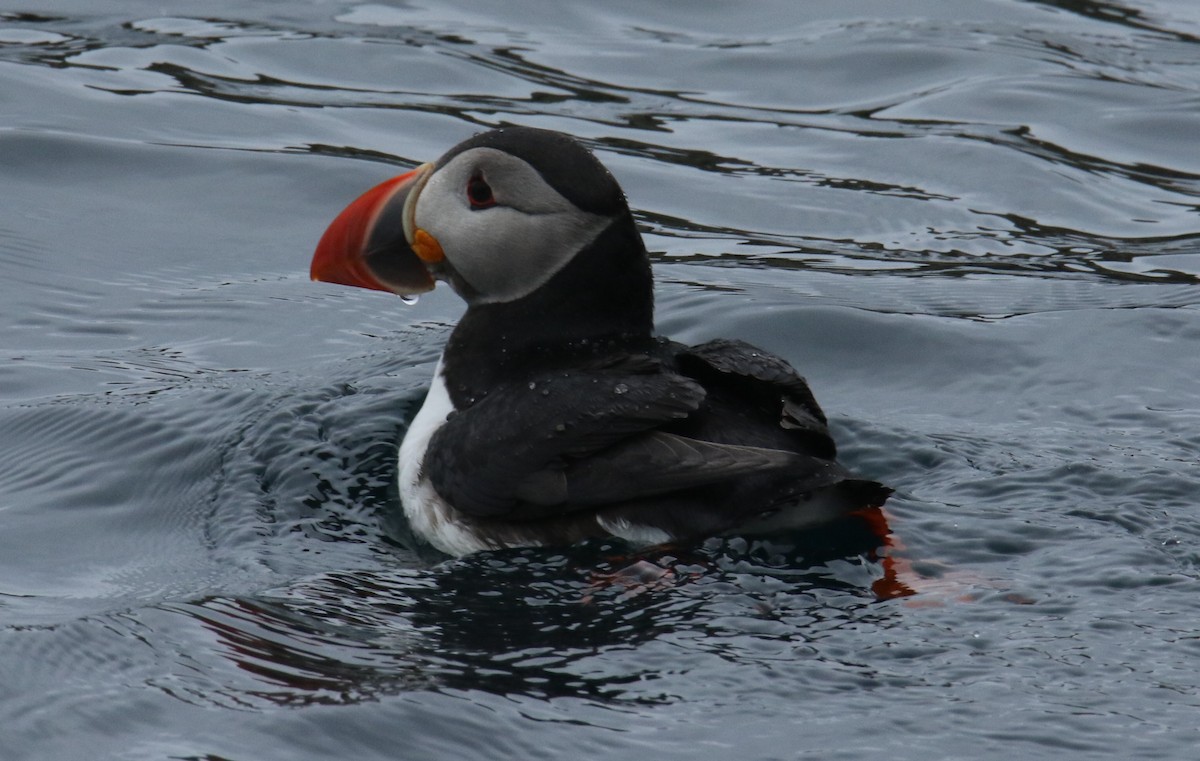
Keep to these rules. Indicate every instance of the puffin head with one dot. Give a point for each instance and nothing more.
(496, 217)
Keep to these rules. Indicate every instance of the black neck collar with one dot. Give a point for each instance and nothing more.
(601, 302)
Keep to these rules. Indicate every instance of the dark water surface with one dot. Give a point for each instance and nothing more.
(975, 227)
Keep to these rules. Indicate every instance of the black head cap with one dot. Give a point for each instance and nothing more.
(562, 162)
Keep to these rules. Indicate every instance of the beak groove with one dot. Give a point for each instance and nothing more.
(369, 245)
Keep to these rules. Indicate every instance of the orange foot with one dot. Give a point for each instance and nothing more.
(634, 579)
(901, 579)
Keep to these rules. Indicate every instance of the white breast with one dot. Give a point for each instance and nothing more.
(428, 514)
(434, 520)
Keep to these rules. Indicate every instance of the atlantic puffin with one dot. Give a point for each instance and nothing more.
(555, 413)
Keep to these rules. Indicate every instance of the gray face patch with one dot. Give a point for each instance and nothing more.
(509, 249)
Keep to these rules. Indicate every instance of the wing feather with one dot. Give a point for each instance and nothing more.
(657, 463)
(483, 458)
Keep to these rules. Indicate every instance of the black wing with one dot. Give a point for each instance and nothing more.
(752, 374)
(657, 463)
(572, 441)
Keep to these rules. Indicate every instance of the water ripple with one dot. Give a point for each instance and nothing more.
(972, 226)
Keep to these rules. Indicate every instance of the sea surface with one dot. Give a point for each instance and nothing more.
(974, 225)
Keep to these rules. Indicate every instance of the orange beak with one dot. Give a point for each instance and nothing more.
(370, 244)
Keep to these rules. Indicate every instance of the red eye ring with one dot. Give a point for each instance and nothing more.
(479, 193)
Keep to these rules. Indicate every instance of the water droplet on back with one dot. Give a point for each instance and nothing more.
(410, 299)
(620, 388)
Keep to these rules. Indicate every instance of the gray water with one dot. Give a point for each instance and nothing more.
(974, 226)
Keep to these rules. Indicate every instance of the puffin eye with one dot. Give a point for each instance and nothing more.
(479, 193)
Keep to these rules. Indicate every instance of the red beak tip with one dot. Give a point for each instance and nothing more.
(340, 257)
